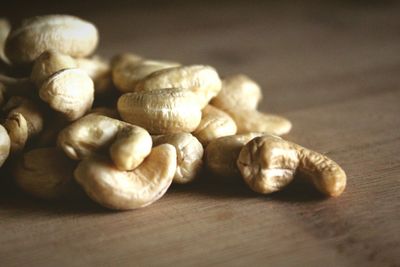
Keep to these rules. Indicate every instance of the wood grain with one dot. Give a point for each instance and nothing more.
(334, 70)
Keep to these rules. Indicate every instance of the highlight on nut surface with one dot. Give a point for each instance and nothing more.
(123, 190)
(268, 164)
(5, 145)
(67, 34)
(161, 111)
(128, 145)
(189, 155)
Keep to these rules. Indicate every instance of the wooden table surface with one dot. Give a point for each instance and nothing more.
(333, 70)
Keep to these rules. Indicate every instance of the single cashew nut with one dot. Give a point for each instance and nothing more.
(129, 69)
(5, 145)
(161, 111)
(66, 34)
(254, 121)
(189, 155)
(48, 63)
(69, 91)
(128, 144)
(201, 80)
(221, 155)
(5, 29)
(23, 122)
(268, 164)
(214, 124)
(45, 173)
(238, 91)
(123, 190)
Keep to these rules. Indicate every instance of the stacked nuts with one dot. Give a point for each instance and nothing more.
(125, 130)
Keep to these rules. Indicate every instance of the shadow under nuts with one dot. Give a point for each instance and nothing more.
(161, 111)
(268, 164)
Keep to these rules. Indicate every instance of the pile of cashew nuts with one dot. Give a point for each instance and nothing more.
(124, 130)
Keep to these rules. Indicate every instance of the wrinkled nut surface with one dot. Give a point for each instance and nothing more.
(214, 124)
(48, 63)
(221, 155)
(45, 173)
(129, 69)
(24, 121)
(268, 164)
(238, 91)
(161, 111)
(189, 155)
(99, 71)
(69, 91)
(122, 190)
(201, 80)
(255, 121)
(128, 144)
(67, 34)
(5, 145)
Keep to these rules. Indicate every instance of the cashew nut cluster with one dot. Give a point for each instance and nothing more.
(127, 129)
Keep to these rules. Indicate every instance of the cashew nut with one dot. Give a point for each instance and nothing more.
(66, 34)
(268, 164)
(128, 144)
(23, 122)
(221, 155)
(161, 111)
(189, 155)
(5, 145)
(238, 91)
(201, 80)
(214, 124)
(129, 69)
(45, 173)
(123, 190)
(5, 28)
(68, 91)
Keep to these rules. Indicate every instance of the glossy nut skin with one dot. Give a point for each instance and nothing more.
(189, 155)
(214, 124)
(67, 34)
(268, 164)
(161, 111)
(24, 121)
(238, 91)
(122, 190)
(221, 155)
(69, 92)
(45, 173)
(128, 144)
(5, 145)
(129, 69)
(202, 80)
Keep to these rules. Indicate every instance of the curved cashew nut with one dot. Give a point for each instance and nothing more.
(161, 111)
(129, 69)
(214, 124)
(45, 173)
(128, 144)
(5, 145)
(221, 155)
(268, 164)
(23, 122)
(66, 34)
(201, 80)
(123, 190)
(189, 155)
(68, 91)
